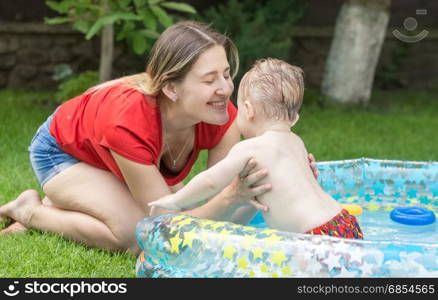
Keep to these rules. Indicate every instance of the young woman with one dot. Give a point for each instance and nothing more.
(102, 156)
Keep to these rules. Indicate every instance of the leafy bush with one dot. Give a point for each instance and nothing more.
(137, 21)
(388, 73)
(258, 28)
(75, 85)
(61, 72)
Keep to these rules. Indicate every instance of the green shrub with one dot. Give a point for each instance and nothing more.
(388, 73)
(258, 28)
(75, 85)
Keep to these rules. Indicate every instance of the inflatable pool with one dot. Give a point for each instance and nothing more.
(182, 246)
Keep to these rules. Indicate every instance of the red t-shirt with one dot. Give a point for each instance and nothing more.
(128, 122)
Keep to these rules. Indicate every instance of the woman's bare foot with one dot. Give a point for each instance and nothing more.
(14, 228)
(22, 208)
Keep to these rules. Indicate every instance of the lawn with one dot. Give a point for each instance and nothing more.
(396, 125)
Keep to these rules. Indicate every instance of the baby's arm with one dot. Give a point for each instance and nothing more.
(208, 183)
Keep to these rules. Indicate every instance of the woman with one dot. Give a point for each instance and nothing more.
(102, 156)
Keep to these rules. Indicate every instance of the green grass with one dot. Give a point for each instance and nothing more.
(38, 254)
(397, 125)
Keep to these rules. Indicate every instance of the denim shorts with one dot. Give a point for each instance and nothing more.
(46, 157)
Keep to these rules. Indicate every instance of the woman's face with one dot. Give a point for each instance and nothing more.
(205, 90)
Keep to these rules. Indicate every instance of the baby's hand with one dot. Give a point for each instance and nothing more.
(167, 202)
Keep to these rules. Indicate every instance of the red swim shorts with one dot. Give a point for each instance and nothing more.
(342, 225)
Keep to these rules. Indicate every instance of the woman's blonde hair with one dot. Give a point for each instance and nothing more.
(175, 52)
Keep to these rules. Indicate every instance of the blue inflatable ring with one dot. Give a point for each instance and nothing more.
(412, 215)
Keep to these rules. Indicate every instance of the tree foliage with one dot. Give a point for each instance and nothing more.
(137, 21)
(258, 28)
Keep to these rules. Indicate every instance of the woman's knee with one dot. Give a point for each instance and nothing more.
(134, 249)
(126, 243)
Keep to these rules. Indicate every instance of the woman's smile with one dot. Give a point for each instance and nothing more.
(218, 105)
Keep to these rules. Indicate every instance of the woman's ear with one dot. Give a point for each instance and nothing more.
(250, 110)
(169, 89)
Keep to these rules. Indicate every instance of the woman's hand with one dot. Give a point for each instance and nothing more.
(245, 187)
(312, 164)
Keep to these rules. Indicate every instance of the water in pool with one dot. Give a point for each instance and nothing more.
(378, 226)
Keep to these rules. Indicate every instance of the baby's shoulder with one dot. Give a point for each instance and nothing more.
(243, 145)
(297, 140)
(247, 147)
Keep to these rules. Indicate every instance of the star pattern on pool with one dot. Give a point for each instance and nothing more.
(182, 246)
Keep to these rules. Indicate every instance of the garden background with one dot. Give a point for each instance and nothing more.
(42, 65)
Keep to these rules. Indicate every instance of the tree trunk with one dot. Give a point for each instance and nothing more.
(359, 34)
(106, 53)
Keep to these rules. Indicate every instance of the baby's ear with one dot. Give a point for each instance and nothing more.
(297, 117)
(250, 110)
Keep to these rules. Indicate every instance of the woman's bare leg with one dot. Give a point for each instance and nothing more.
(89, 205)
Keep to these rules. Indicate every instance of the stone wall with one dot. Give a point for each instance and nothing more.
(29, 53)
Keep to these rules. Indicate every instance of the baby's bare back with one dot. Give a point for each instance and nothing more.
(296, 202)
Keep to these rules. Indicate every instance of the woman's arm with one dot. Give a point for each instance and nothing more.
(209, 182)
(145, 182)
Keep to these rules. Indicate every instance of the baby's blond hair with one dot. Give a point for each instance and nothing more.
(277, 86)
